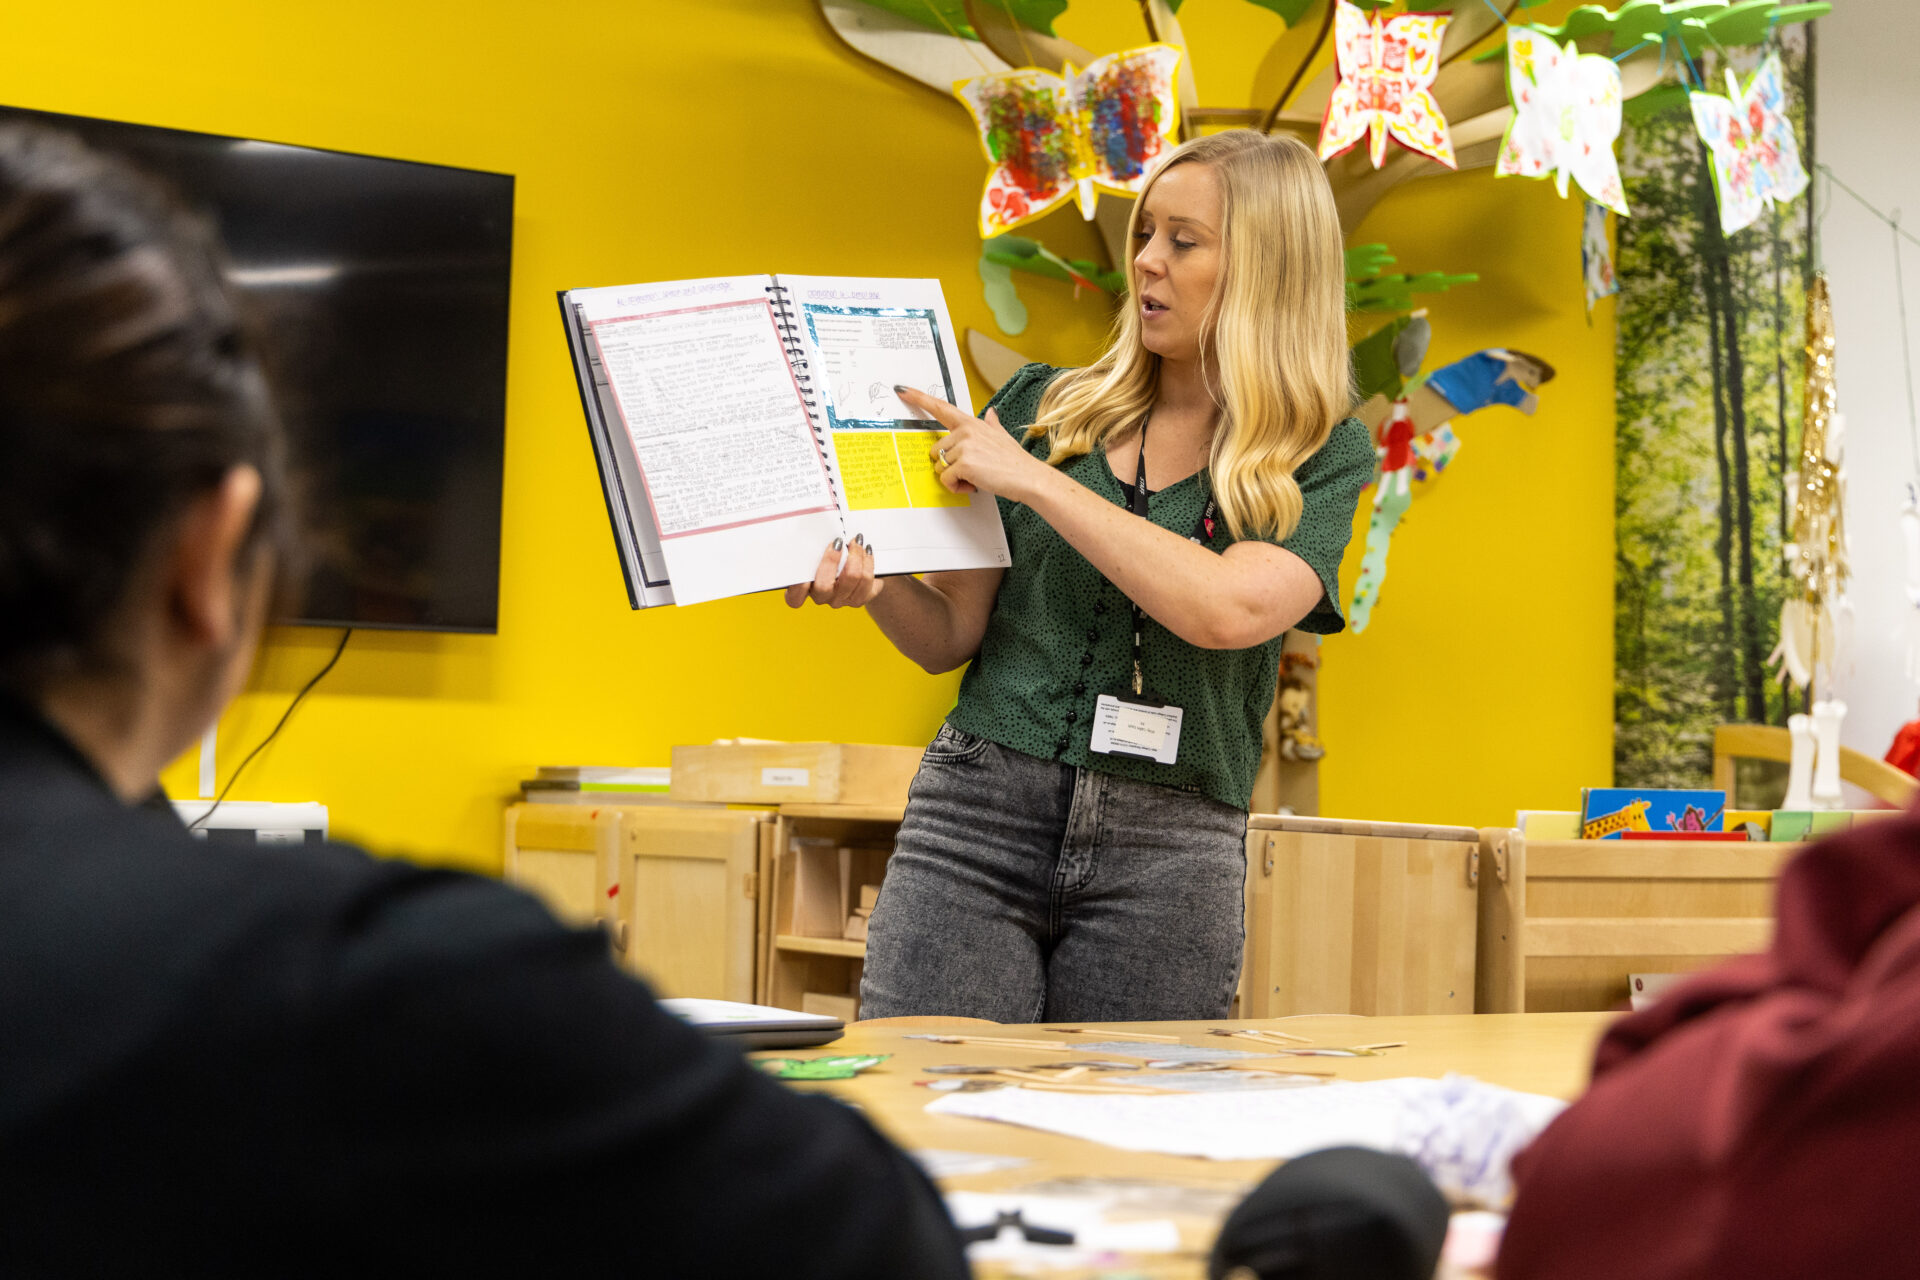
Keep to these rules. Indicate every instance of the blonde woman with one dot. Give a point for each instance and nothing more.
(1073, 847)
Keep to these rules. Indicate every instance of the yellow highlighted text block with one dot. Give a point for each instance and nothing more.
(870, 470)
(916, 463)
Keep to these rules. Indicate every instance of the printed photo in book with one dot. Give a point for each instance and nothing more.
(742, 423)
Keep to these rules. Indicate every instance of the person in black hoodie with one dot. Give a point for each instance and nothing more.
(224, 1062)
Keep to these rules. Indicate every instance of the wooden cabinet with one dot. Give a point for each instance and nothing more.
(752, 903)
(1374, 918)
(1563, 923)
(676, 887)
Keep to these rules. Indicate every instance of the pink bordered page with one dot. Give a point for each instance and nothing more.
(742, 423)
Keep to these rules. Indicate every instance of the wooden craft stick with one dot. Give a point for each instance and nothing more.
(1104, 1034)
(1250, 1033)
(996, 1041)
(1375, 1048)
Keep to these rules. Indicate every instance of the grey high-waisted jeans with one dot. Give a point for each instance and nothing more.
(1023, 890)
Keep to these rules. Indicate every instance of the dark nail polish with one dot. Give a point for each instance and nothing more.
(859, 539)
(897, 388)
(838, 543)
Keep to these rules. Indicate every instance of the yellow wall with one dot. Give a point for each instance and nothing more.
(660, 141)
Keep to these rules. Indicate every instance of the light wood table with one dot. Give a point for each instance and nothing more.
(1547, 1053)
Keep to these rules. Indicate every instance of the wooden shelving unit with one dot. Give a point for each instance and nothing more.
(800, 958)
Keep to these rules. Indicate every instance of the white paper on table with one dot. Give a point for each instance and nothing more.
(937, 1163)
(1463, 1132)
(1086, 1219)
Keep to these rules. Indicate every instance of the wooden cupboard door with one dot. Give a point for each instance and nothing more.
(689, 899)
(564, 856)
(1372, 925)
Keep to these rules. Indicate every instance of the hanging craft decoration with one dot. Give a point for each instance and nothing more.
(1415, 442)
(1566, 116)
(1814, 620)
(1385, 71)
(1596, 257)
(1811, 619)
(1755, 156)
(1051, 136)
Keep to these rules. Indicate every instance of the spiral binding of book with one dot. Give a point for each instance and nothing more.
(797, 360)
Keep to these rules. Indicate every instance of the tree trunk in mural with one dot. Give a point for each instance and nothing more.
(1706, 355)
(1737, 526)
(1707, 238)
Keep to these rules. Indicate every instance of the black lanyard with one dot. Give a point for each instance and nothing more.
(1202, 532)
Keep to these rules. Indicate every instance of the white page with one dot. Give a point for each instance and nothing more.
(861, 337)
(719, 431)
(1461, 1131)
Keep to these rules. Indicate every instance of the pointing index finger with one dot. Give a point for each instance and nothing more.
(945, 414)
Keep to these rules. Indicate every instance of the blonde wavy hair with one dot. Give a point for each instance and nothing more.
(1274, 339)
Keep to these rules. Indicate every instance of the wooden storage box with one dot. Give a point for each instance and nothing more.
(794, 773)
(1373, 918)
(1564, 923)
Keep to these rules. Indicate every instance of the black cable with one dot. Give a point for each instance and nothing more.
(305, 689)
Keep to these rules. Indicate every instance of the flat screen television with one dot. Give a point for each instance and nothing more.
(380, 290)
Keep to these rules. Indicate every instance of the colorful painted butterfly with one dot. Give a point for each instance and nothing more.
(1386, 70)
(1755, 157)
(1054, 136)
(1566, 115)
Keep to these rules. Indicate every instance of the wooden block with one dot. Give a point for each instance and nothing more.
(856, 930)
(794, 772)
(845, 1008)
(869, 895)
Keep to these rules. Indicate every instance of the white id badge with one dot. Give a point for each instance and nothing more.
(1123, 727)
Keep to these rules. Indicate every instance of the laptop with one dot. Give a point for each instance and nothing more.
(756, 1026)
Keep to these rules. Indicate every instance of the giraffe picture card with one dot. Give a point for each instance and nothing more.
(1608, 813)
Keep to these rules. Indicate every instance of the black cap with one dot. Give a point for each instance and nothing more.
(1345, 1212)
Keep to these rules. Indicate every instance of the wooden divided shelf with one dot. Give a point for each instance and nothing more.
(821, 859)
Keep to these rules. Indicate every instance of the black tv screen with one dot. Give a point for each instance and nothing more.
(379, 289)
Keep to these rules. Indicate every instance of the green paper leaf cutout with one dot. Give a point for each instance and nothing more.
(1744, 23)
(1375, 371)
(996, 283)
(821, 1068)
(1699, 23)
(1031, 256)
(949, 16)
(1369, 290)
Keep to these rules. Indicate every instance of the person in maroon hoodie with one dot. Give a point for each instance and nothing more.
(1764, 1119)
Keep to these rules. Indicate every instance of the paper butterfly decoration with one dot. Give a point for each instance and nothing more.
(1054, 136)
(1566, 115)
(1755, 157)
(1386, 68)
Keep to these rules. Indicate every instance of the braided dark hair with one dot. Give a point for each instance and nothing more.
(126, 390)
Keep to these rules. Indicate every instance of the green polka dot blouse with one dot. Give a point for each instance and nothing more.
(1060, 634)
